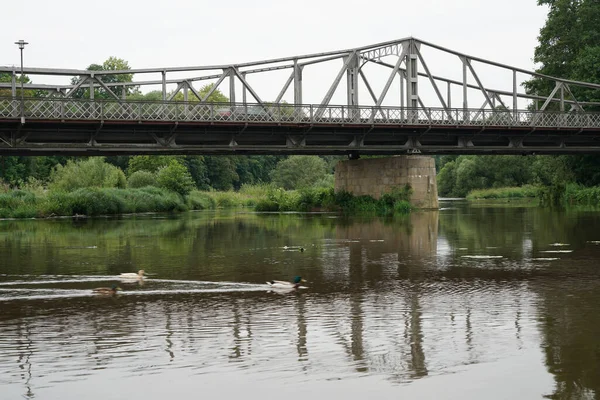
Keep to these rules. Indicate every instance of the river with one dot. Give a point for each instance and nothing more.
(470, 302)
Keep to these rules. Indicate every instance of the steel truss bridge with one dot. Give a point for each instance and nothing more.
(392, 116)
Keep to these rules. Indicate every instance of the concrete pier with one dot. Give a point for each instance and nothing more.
(377, 176)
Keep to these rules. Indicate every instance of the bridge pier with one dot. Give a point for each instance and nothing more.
(377, 176)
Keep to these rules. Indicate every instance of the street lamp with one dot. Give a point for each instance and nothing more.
(21, 43)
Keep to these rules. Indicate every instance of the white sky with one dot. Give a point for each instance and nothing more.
(74, 34)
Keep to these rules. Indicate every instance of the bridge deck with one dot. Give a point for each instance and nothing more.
(67, 126)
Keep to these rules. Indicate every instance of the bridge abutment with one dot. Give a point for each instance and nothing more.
(377, 176)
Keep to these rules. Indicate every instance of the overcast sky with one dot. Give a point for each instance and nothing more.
(74, 34)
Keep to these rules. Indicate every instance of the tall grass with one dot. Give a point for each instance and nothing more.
(505, 193)
(111, 201)
(325, 199)
(579, 195)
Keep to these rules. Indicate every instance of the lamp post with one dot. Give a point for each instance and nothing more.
(21, 43)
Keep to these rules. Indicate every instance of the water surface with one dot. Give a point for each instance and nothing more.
(467, 302)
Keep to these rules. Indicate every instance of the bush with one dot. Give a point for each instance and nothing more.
(297, 172)
(197, 200)
(505, 193)
(18, 204)
(91, 173)
(175, 177)
(95, 201)
(140, 179)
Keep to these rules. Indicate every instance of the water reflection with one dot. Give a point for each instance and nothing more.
(389, 298)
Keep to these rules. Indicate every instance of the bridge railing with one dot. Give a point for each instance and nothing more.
(112, 110)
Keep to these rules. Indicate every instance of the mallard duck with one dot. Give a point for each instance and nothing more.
(132, 275)
(295, 284)
(107, 290)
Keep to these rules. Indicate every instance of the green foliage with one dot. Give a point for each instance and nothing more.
(216, 96)
(141, 179)
(505, 193)
(6, 77)
(148, 163)
(221, 172)
(577, 194)
(93, 172)
(111, 64)
(175, 177)
(197, 200)
(18, 204)
(395, 202)
(297, 172)
(569, 47)
(279, 200)
(109, 201)
(316, 199)
(554, 195)
(466, 173)
(312, 199)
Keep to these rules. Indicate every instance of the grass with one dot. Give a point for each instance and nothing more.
(527, 191)
(112, 201)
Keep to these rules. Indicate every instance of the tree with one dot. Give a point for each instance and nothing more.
(216, 97)
(7, 78)
(221, 172)
(297, 172)
(111, 64)
(569, 47)
(93, 172)
(148, 163)
(176, 178)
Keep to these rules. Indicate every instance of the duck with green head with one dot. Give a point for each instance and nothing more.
(295, 284)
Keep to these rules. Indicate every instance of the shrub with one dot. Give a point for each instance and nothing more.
(197, 200)
(97, 201)
(141, 179)
(175, 177)
(93, 172)
(298, 172)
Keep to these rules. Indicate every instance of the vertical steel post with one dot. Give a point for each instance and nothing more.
(14, 93)
(231, 86)
(14, 84)
(352, 85)
(164, 85)
(297, 83)
(465, 91)
(412, 82)
(562, 97)
(515, 105)
(449, 101)
(185, 100)
(244, 94)
(91, 83)
(401, 94)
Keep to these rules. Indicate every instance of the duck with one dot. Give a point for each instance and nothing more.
(132, 275)
(295, 284)
(107, 290)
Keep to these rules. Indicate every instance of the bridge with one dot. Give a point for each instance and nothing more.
(404, 108)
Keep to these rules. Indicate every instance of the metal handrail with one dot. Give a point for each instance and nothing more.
(282, 113)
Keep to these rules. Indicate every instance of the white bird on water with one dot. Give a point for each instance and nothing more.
(132, 275)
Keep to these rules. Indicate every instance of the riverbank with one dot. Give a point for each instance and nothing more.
(113, 201)
(557, 195)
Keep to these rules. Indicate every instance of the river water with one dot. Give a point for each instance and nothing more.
(470, 302)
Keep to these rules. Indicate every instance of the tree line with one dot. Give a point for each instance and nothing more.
(205, 172)
(568, 47)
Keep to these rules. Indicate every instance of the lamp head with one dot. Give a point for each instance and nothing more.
(21, 43)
